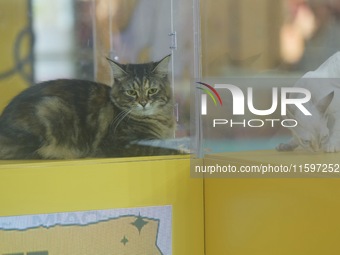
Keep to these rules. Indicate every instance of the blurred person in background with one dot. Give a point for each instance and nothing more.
(311, 33)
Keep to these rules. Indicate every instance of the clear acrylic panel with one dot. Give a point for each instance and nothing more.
(266, 46)
(72, 39)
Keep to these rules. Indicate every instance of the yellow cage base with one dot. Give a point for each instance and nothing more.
(35, 187)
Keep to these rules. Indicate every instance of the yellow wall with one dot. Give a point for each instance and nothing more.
(272, 216)
(242, 216)
(64, 186)
(265, 216)
(13, 19)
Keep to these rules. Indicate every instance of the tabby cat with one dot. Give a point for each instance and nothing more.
(321, 130)
(65, 119)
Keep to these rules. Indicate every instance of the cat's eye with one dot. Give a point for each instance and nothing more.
(152, 91)
(131, 92)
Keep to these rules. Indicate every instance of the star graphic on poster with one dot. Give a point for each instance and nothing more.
(139, 223)
(124, 240)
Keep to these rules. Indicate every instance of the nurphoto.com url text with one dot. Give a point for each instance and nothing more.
(266, 169)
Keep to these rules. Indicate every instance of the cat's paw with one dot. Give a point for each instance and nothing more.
(285, 147)
(332, 147)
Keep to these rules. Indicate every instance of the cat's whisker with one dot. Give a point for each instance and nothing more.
(118, 116)
(122, 116)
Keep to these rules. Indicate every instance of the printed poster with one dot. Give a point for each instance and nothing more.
(134, 231)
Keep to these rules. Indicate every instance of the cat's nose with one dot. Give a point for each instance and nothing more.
(143, 103)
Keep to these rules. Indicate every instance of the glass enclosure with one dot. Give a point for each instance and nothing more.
(261, 45)
(48, 40)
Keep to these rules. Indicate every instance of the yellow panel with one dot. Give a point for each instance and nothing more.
(272, 216)
(13, 20)
(44, 187)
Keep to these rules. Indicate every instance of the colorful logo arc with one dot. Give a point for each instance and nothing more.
(209, 90)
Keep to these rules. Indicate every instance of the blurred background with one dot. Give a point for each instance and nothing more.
(43, 40)
(264, 35)
(261, 44)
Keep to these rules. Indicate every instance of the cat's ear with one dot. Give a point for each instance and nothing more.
(162, 66)
(117, 69)
(324, 103)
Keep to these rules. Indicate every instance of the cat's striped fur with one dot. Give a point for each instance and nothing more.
(64, 119)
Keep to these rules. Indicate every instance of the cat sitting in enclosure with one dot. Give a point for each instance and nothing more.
(64, 119)
(321, 131)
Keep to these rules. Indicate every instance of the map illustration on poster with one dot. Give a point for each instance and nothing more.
(134, 231)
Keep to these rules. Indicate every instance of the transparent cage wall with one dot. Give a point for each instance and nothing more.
(71, 39)
(223, 41)
(260, 44)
